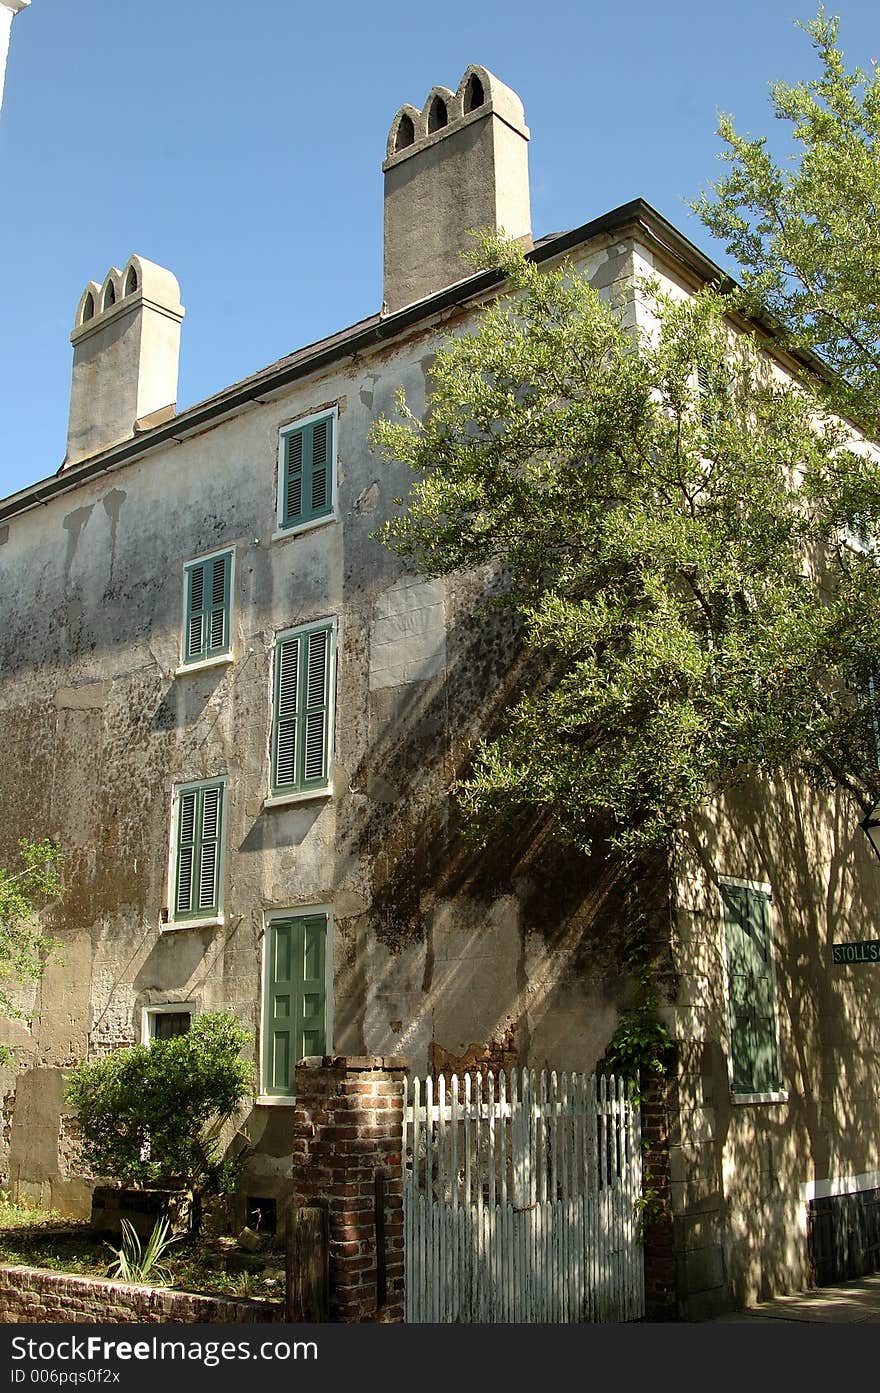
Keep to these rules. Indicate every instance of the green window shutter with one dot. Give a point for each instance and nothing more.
(868, 701)
(286, 695)
(307, 472)
(751, 993)
(187, 807)
(301, 734)
(207, 624)
(703, 389)
(295, 1004)
(316, 673)
(714, 392)
(199, 833)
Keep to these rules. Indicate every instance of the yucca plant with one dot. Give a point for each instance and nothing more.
(136, 1264)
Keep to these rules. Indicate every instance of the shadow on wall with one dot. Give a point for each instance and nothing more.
(428, 873)
(757, 1158)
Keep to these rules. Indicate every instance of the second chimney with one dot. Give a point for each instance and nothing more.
(460, 163)
(126, 344)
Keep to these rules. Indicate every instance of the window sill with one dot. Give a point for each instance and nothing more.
(279, 800)
(781, 1096)
(221, 660)
(297, 528)
(174, 925)
(275, 1100)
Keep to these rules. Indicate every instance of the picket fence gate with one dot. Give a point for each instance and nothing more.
(520, 1195)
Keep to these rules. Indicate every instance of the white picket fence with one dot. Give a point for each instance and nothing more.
(519, 1199)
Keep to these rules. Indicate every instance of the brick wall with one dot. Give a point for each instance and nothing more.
(348, 1126)
(32, 1295)
(659, 1108)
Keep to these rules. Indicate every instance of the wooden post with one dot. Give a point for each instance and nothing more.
(308, 1265)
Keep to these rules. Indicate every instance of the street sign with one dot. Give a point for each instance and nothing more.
(865, 952)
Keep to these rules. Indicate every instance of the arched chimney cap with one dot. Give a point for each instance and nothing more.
(152, 283)
(497, 98)
(417, 119)
(89, 304)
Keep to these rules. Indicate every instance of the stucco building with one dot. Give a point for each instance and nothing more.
(241, 717)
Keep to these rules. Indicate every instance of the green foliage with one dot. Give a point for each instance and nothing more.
(649, 1207)
(153, 1114)
(663, 513)
(16, 1214)
(135, 1263)
(640, 1045)
(805, 232)
(24, 947)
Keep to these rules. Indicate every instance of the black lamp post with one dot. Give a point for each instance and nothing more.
(870, 825)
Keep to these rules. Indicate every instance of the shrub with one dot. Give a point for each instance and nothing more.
(153, 1114)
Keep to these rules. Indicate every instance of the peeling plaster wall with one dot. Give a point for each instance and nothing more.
(439, 952)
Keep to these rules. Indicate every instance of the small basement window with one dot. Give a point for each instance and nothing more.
(262, 1214)
(166, 1021)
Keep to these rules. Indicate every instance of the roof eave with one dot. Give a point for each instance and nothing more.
(370, 334)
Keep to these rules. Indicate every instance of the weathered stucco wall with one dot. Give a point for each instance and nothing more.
(440, 953)
(743, 1171)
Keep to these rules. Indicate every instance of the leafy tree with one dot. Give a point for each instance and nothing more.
(664, 514)
(152, 1114)
(24, 947)
(806, 233)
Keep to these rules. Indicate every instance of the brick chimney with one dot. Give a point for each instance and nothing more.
(459, 163)
(126, 343)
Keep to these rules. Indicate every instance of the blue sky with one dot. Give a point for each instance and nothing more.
(240, 146)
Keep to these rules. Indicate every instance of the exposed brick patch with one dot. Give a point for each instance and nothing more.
(348, 1126)
(496, 1055)
(31, 1295)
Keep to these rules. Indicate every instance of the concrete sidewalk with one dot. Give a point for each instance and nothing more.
(851, 1303)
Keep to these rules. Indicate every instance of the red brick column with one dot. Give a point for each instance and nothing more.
(347, 1130)
(659, 1108)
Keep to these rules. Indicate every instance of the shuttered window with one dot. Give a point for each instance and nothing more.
(714, 387)
(207, 626)
(294, 997)
(869, 702)
(198, 841)
(302, 714)
(306, 472)
(751, 991)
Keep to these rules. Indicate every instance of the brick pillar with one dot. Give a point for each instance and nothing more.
(659, 1107)
(347, 1129)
